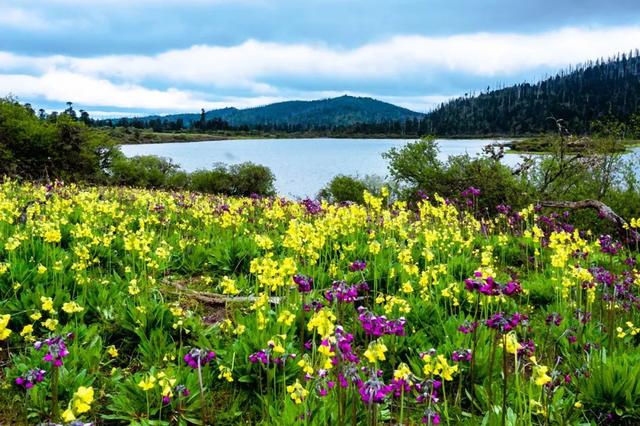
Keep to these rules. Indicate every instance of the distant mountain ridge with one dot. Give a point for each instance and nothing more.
(341, 111)
(596, 90)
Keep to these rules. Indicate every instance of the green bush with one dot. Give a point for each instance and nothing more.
(344, 188)
(58, 148)
(146, 171)
(416, 167)
(238, 179)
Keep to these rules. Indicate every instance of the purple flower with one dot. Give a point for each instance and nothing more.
(468, 327)
(56, 349)
(313, 206)
(343, 292)
(462, 355)
(374, 390)
(505, 322)
(30, 378)
(358, 265)
(379, 325)
(470, 192)
(198, 358)
(554, 318)
(304, 283)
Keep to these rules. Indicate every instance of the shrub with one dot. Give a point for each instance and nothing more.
(344, 188)
(238, 179)
(416, 167)
(146, 171)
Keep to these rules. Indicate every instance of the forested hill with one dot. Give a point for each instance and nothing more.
(592, 91)
(326, 113)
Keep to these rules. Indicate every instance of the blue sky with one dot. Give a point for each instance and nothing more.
(143, 56)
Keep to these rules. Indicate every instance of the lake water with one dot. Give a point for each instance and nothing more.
(301, 166)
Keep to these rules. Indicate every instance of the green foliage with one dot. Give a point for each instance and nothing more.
(144, 171)
(60, 148)
(417, 168)
(344, 188)
(613, 386)
(238, 179)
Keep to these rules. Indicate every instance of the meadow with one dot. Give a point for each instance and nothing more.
(131, 306)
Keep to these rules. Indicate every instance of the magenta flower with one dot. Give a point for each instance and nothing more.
(30, 378)
(56, 349)
(198, 358)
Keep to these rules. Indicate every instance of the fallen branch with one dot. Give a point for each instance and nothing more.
(603, 210)
(216, 298)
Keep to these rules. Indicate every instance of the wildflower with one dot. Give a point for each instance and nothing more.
(42, 269)
(286, 317)
(50, 324)
(225, 372)
(322, 322)
(133, 287)
(197, 358)
(229, 286)
(47, 304)
(379, 325)
(540, 376)
(71, 307)
(4, 322)
(297, 392)
(56, 349)
(304, 283)
(30, 378)
(82, 399)
(375, 351)
(112, 351)
(147, 384)
(27, 330)
(35, 316)
(374, 390)
(358, 265)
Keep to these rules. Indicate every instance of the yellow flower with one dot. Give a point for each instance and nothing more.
(133, 287)
(578, 404)
(35, 316)
(148, 384)
(68, 415)
(225, 372)
(71, 307)
(47, 304)
(286, 317)
(323, 322)
(50, 324)
(52, 235)
(375, 351)
(229, 286)
(112, 351)
(540, 376)
(82, 399)
(297, 392)
(4, 322)
(42, 269)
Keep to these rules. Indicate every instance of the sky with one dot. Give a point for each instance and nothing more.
(132, 57)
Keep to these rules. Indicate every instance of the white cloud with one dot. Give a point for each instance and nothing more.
(21, 18)
(60, 86)
(244, 65)
(251, 67)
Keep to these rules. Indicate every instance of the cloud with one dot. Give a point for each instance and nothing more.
(61, 86)
(16, 17)
(258, 71)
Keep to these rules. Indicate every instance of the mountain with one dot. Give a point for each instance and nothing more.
(341, 111)
(593, 91)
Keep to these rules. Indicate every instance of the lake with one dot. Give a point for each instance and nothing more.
(301, 166)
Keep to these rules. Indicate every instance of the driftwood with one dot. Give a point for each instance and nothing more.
(603, 210)
(216, 298)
